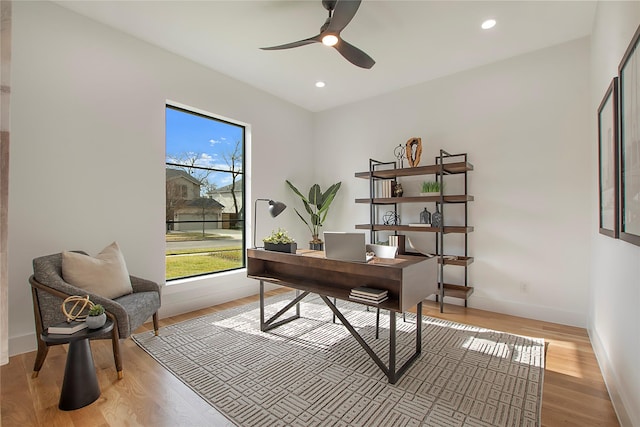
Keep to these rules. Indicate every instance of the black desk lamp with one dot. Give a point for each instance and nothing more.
(275, 209)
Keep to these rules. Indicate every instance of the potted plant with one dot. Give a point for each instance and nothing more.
(317, 206)
(96, 317)
(280, 241)
(431, 188)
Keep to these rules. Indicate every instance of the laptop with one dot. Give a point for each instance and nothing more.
(345, 247)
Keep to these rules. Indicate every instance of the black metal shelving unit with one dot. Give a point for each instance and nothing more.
(446, 164)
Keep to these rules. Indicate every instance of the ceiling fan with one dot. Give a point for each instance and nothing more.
(341, 12)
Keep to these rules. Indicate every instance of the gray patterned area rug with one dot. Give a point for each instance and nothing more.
(312, 372)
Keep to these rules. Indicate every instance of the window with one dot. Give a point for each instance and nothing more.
(205, 227)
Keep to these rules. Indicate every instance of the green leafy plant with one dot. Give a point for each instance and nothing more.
(317, 206)
(279, 236)
(96, 310)
(431, 186)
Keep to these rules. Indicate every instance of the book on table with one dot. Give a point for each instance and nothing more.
(369, 292)
(369, 300)
(67, 328)
(371, 295)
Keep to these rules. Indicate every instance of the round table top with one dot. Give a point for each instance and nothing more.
(80, 335)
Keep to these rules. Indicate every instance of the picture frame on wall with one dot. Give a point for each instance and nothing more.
(608, 160)
(629, 93)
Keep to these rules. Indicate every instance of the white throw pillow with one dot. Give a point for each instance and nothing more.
(105, 275)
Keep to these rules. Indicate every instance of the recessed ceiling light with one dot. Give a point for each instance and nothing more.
(489, 23)
(320, 84)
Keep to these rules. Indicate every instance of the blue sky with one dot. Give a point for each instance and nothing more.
(208, 139)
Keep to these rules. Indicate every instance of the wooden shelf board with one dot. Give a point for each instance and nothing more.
(447, 229)
(448, 169)
(453, 198)
(457, 291)
(462, 261)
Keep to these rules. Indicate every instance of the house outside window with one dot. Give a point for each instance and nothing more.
(204, 180)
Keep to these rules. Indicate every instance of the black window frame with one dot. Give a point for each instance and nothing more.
(242, 173)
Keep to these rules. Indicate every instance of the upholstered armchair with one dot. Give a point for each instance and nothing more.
(128, 312)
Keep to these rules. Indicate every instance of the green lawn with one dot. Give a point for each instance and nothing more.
(200, 250)
(191, 265)
(180, 236)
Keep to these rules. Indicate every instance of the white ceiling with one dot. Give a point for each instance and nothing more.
(411, 41)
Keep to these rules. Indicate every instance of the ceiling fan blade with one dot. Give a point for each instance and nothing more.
(343, 14)
(354, 55)
(315, 39)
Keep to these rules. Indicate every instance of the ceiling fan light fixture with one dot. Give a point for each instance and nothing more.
(340, 14)
(330, 40)
(488, 24)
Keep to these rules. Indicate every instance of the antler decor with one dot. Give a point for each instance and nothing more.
(414, 151)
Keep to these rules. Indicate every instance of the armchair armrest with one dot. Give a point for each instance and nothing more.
(143, 285)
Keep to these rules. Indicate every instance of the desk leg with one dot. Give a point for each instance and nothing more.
(392, 348)
(80, 384)
(266, 325)
(335, 302)
(390, 371)
(395, 376)
(261, 305)
(419, 328)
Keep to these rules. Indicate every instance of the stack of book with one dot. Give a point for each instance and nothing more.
(370, 295)
(387, 187)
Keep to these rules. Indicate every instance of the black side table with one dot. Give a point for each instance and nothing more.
(80, 385)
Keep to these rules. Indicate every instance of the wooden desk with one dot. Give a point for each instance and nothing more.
(408, 280)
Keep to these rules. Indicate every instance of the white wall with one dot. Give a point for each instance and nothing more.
(87, 152)
(525, 124)
(614, 319)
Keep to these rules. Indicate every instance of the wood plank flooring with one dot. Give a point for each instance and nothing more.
(574, 392)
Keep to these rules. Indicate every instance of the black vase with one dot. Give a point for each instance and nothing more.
(436, 218)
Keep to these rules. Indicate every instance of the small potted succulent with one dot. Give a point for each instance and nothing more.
(96, 317)
(280, 241)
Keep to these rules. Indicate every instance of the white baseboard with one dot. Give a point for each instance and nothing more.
(529, 311)
(22, 344)
(190, 295)
(618, 399)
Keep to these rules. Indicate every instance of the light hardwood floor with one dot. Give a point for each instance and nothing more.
(574, 393)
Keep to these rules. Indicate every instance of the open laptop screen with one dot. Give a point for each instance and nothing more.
(345, 246)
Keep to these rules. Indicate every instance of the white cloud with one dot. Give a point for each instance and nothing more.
(204, 160)
(217, 141)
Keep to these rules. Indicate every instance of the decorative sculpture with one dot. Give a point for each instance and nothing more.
(391, 218)
(413, 151)
(399, 153)
(75, 313)
(398, 191)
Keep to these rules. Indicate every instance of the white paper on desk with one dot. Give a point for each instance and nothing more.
(423, 251)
